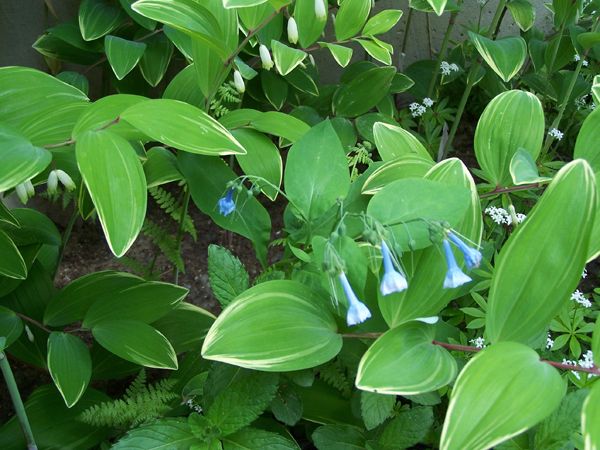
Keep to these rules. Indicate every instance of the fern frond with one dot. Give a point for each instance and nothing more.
(140, 404)
(171, 206)
(334, 374)
(165, 242)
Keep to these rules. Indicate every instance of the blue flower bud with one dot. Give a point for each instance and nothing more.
(454, 276)
(472, 256)
(392, 281)
(357, 311)
(226, 204)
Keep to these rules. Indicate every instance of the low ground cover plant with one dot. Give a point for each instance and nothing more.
(420, 285)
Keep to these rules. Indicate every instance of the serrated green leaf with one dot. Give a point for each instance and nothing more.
(136, 342)
(542, 257)
(504, 56)
(254, 438)
(301, 333)
(338, 437)
(407, 429)
(115, 179)
(70, 366)
(227, 275)
(404, 361)
(287, 405)
(172, 433)
(494, 399)
(556, 431)
(375, 408)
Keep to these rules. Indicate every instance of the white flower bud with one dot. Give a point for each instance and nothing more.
(265, 57)
(21, 191)
(30, 189)
(66, 180)
(52, 182)
(292, 31)
(320, 9)
(238, 81)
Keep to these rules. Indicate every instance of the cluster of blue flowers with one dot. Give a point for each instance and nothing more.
(393, 280)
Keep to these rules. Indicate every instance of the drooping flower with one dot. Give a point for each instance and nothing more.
(472, 256)
(454, 276)
(21, 191)
(292, 31)
(393, 280)
(52, 183)
(226, 204)
(29, 188)
(66, 180)
(265, 57)
(238, 82)
(320, 10)
(357, 310)
(428, 320)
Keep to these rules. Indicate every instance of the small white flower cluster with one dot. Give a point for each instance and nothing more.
(478, 342)
(556, 133)
(417, 110)
(502, 216)
(190, 404)
(584, 274)
(482, 2)
(587, 363)
(582, 103)
(549, 342)
(446, 68)
(577, 58)
(580, 298)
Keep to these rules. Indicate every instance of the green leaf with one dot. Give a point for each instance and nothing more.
(227, 275)
(338, 437)
(596, 343)
(242, 3)
(393, 142)
(275, 88)
(172, 433)
(149, 24)
(407, 429)
(513, 120)
(341, 54)
(541, 256)
(287, 405)
(407, 166)
(21, 160)
(187, 16)
(350, 18)
(70, 366)
(404, 361)
(73, 301)
(136, 342)
(494, 398)
(382, 22)
(53, 424)
(251, 392)
(504, 56)
(11, 326)
(301, 333)
(254, 438)
(557, 430)
(210, 72)
(310, 27)
(207, 178)
(12, 264)
(438, 6)
(185, 326)
(123, 55)
(98, 18)
(286, 58)
(589, 39)
(376, 51)
(145, 302)
(523, 13)
(363, 92)
(596, 89)
(316, 173)
(280, 124)
(161, 167)
(182, 126)
(115, 180)
(375, 408)
(57, 105)
(523, 169)
(155, 60)
(407, 205)
(184, 87)
(586, 145)
(590, 415)
(262, 159)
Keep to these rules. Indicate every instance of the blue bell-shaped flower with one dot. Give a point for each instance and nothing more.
(454, 276)
(472, 256)
(357, 310)
(226, 204)
(392, 281)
